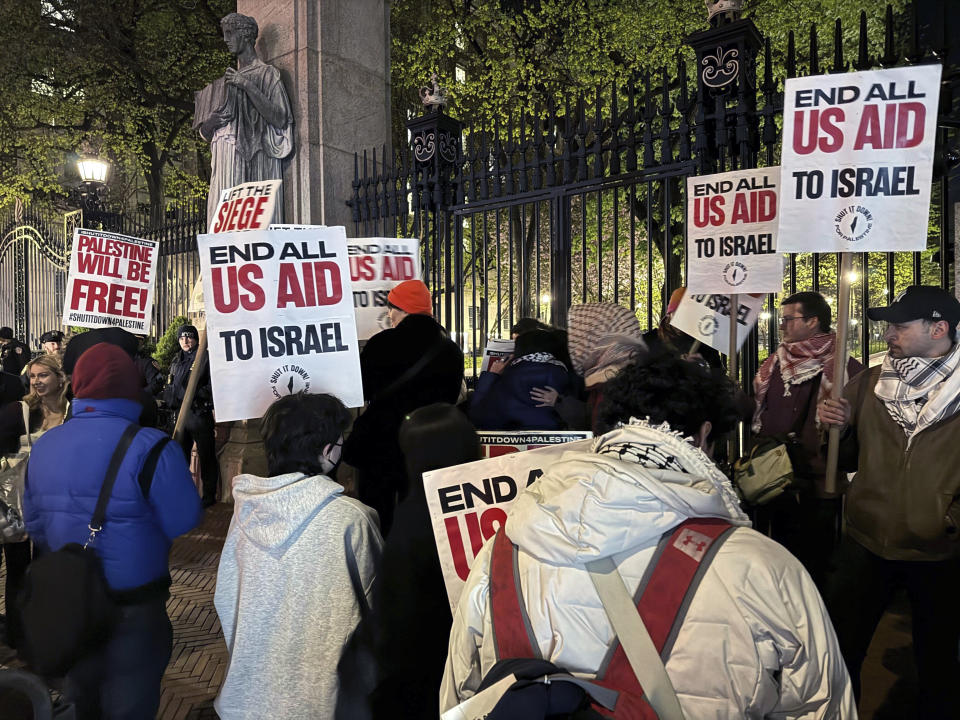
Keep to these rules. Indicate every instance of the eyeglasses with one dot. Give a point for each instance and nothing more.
(785, 319)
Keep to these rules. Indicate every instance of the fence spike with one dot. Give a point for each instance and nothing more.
(889, 49)
(791, 55)
(814, 51)
(915, 54)
(863, 59)
(838, 64)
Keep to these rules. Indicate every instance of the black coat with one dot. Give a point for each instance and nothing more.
(372, 445)
(14, 356)
(177, 385)
(412, 616)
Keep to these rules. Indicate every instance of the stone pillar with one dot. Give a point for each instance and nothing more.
(334, 57)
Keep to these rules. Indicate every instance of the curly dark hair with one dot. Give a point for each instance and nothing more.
(296, 429)
(665, 388)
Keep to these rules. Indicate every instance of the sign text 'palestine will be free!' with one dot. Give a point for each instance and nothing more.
(857, 160)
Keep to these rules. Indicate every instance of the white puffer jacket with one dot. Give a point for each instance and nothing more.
(756, 641)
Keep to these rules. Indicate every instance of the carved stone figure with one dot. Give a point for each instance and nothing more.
(245, 116)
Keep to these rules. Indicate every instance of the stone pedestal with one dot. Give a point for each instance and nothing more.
(243, 453)
(334, 57)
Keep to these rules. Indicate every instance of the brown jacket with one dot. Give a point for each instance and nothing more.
(903, 504)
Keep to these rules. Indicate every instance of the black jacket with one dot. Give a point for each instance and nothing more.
(14, 356)
(177, 385)
(372, 445)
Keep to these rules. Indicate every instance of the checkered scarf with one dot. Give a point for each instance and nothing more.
(603, 338)
(919, 392)
(540, 357)
(799, 361)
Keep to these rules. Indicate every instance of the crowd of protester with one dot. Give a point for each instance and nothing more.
(330, 590)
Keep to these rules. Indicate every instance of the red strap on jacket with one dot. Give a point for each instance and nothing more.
(682, 558)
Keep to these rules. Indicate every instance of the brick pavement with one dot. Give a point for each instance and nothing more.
(199, 655)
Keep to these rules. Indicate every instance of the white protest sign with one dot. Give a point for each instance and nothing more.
(495, 444)
(111, 281)
(732, 232)
(496, 349)
(857, 160)
(376, 265)
(707, 318)
(279, 318)
(468, 503)
(248, 206)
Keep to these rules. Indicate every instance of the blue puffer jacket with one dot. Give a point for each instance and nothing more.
(66, 471)
(502, 402)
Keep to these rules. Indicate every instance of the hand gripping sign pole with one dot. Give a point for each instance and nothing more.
(196, 370)
(839, 366)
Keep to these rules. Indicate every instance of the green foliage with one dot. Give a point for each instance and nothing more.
(168, 344)
(116, 79)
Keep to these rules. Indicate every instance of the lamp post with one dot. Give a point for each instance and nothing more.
(92, 192)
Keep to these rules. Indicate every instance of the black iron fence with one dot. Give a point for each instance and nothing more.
(35, 254)
(584, 200)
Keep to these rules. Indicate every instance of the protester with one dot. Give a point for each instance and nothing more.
(199, 423)
(51, 342)
(14, 355)
(666, 337)
(526, 324)
(127, 342)
(503, 397)
(153, 379)
(153, 501)
(412, 364)
(787, 389)
(11, 389)
(603, 338)
(756, 640)
(412, 612)
(46, 406)
(900, 426)
(296, 570)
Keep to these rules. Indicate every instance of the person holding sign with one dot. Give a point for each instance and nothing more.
(755, 640)
(199, 426)
(901, 433)
(787, 388)
(412, 364)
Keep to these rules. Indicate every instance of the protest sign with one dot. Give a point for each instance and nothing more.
(495, 444)
(496, 349)
(279, 318)
(732, 232)
(376, 265)
(857, 160)
(248, 206)
(111, 281)
(468, 503)
(707, 318)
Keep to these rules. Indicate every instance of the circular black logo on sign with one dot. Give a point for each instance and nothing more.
(735, 273)
(289, 379)
(708, 325)
(853, 223)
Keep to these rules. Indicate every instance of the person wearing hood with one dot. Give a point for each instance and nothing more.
(756, 641)
(602, 339)
(199, 425)
(296, 570)
(667, 338)
(413, 614)
(153, 501)
(502, 399)
(411, 364)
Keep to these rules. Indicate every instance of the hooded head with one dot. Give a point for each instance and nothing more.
(105, 371)
(79, 344)
(538, 341)
(603, 337)
(437, 436)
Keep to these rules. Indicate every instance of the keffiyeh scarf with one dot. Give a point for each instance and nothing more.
(799, 361)
(603, 338)
(540, 357)
(919, 392)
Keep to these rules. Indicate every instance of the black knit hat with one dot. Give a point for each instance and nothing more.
(188, 331)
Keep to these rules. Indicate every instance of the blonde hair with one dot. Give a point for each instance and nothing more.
(53, 365)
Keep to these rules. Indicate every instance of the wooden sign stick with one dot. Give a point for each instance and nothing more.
(839, 365)
(196, 370)
(732, 370)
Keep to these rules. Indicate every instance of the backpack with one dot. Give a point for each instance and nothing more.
(669, 583)
(66, 606)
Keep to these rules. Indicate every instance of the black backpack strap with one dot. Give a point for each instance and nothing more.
(145, 478)
(100, 512)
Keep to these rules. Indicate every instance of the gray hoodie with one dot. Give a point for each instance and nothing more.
(285, 596)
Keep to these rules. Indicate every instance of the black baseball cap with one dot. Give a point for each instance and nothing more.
(51, 336)
(919, 302)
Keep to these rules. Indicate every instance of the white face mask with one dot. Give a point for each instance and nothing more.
(330, 458)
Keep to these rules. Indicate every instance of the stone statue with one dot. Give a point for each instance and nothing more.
(245, 116)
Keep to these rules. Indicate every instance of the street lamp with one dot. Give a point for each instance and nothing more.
(92, 170)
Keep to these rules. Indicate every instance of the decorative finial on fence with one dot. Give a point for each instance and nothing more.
(723, 11)
(436, 98)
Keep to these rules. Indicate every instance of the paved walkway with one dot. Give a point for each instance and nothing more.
(199, 655)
